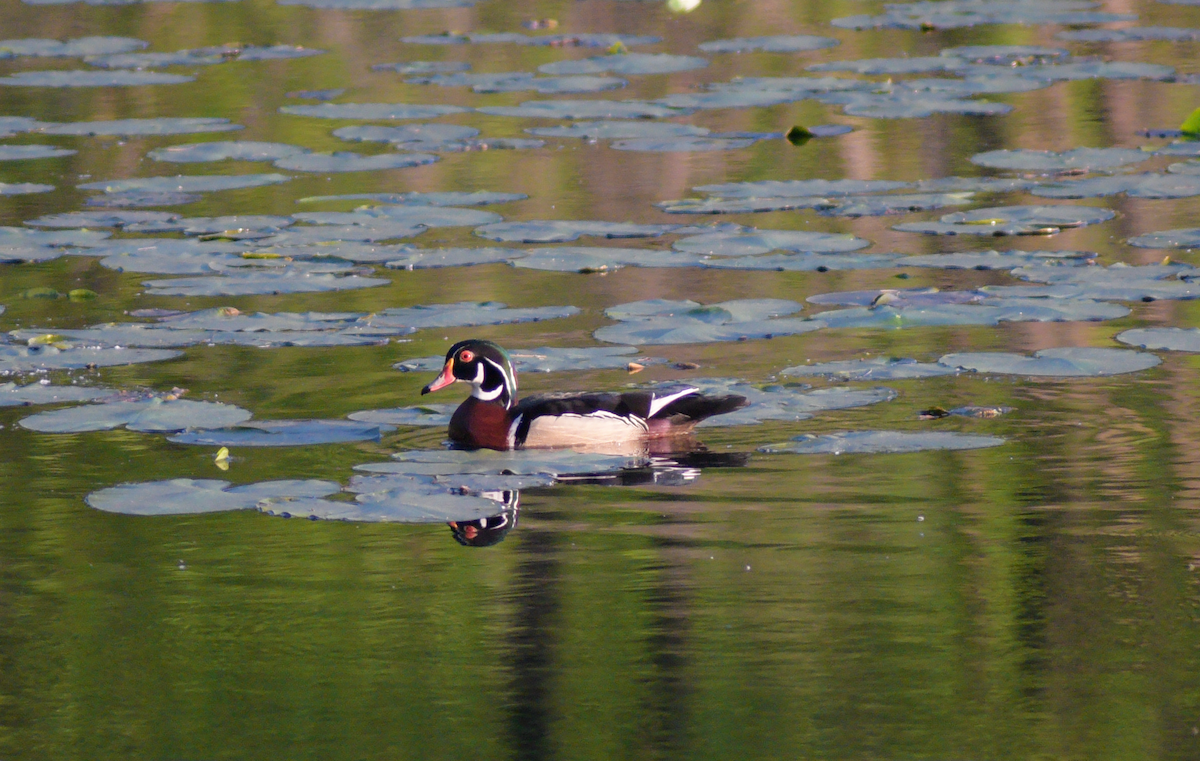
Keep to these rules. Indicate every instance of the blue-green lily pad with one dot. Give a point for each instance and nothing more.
(986, 312)
(528, 462)
(133, 127)
(82, 46)
(1148, 185)
(221, 150)
(1006, 55)
(409, 133)
(909, 104)
(1119, 282)
(766, 241)
(660, 322)
(1011, 220)
(1128, 34)
(465, 313)
(999, 260)
(627, 64)
(284, 433)
(24, 236)
(584, 109)
(197, 183)
(562, 231)
(448, 198)
(186, 496)
(23, 188)
(213, 225)
(24, 253)
(436, 258)
(600, 259)
(518, 81)
(795, 188)
(13, 125)
(882, 442)
(412, 500)
(12, 395)
(1065, 362)
(873, 369)
(409, 214)
(84, 219)
(682, 144)
(24, 359)
(785, 401)
(348, 161)
(24, 152)
(1096, 70)
(90, 78)
(899, 203)
(369, 229)
(153, 415)
(549, 359)
(423, 67)
(1187, 237)
(372, 111)
(291, 279)
(955, 14)
(1086, 159)
(620, 130)
(914, 65)
(805, 262)
(136, 199)
(200, 57)
(794, 43)
(431, 415)
(714, 205)
(1169, 339)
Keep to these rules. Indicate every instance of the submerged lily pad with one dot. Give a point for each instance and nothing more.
(12, 395)
(1188, 237)
(153, 415)
(561, 231)
(1065, 362)
(873, 369)
(584, 109)
(794, 43)
(372, 111)
(465, 313)
(548, 359)
(1169, 339)
(90, 78)
(347, 161)
(766, 241)
(660, 322)
(196, 183)
(291, 279)
(24, 152)
(627, 64)
(24, 359)
(185, 496)
(1086, 159)
(221, 150)
(132, 127)
(284, 433)
(882, 442)
(1011, 220)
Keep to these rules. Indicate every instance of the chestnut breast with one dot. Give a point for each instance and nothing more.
(477, 423)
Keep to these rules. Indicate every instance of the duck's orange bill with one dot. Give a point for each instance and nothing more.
(443, 380)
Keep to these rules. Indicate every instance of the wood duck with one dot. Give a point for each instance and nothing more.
(492, 418)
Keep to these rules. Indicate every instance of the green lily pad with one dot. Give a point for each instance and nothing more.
(561, 231)
(1066, 362)
(408, 133)
(800, 188)
(435, 258)
(463, 314)
(132, 127)
(200, 183)
(1119, 282)
(186, 496)
(660, 322)
(998, 260)
(882, 442)
(432, 415)
(913, 65)
(785, 401)
(1011, 220)
(956, 14)
(681, 144)
(152, 415)
(986, 312)
(587, 259)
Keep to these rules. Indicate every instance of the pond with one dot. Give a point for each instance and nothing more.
(945, 250)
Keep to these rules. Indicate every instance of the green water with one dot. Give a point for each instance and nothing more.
(1038, 600)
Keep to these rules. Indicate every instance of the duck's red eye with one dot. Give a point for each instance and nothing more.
(466, 355)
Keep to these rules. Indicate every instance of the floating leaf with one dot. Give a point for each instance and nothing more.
(627, 64)
(998, 260)
(289, 280)
(1119, 282)
(434, 258)
(1191, 125)
(790, 402)
(882, 442)
(423, 67)
(547, 359)
(131, 127)
(794, 43)
(463, 314)
(371, 111)
(955, 14)
(900, 203)
(24, 152)
(409, 133)
(1169, 339)
(184, 496)
(561, 231)
(138, 198)
(799, 188)
(82, 46)
(766, 241)
(1006, 55)
(435, 415)
(873, 369)
(913, 65)
(153, 415)
(284, 433)
(23, 359)
(660, 322)
(12, 395)
(986, 312)
(583, 109)
(197, 183)
(88, 78)
(681, 144)
(23, 188)
(1188, 237)
(347, 161)
(1066, 362)
(527, 462)
(1011, 220)
(1130, 34)
(221, 150)
(587, 259)
(449, 198)
(804, 262)
(1085, 159)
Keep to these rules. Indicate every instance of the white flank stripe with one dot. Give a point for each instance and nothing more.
(657, 404)
(512, 431)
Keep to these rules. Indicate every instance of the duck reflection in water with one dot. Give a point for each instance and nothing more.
(662, 469)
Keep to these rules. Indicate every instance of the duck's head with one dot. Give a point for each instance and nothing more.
(485, 366)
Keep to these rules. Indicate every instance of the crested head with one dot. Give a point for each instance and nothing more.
(484, 365)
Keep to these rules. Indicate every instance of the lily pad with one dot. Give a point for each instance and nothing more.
(1169, 339)
(448, 198)
(561, 231)
(1086, 159)
(23, 188)
(284, 433)
(785, 401)
(955, 14)
(620, 129)
(588, 259)
(369, 229)
(527, 462)
(914, 65)
(221, 150)
(409, 133)
(999, 260)
(1011, 220)
(797, 188)
(805, 262)
(463, 314)
(584, 109)
(89, 78)
(380, 5)
(1119, 282)
(201, 57)
(347, 161)
(407, 214)
(548, 359)
(1065, 362)
(372, 111)
(185, 496)
(660, 322)
(435, 258)
(986, 312)
(1096, 70)
(24, 359)
(291, 279)
(1187, 237)
(432, 415)
(873, 369)
(24, 152)
(133, 127)
(882, 442)
(153, 415)
(1128, 34)
(627, 64)
(423, 67)
(85, 219)
(197, 183)
(82, 46)
(713, 205)
(12, 395)
(1006, 55)
(794, 43)
(411, 500)
(1148, 185)
(766, 241)
(133, 199)
(899, 203)
(682, 144)
(909, 104)
(13, 125)
(20, 253)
